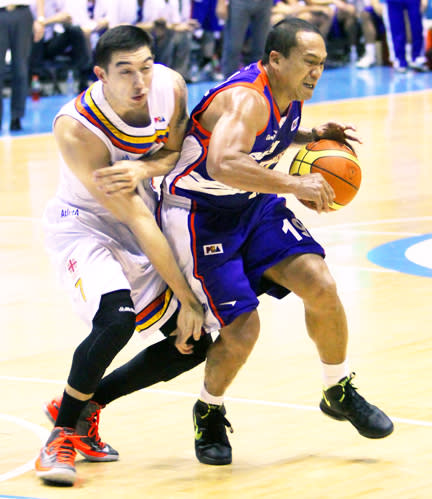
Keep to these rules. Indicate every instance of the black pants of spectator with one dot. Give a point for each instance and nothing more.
(16, 34)
(71, 42)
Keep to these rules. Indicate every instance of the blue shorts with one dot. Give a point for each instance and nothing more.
(232, 249)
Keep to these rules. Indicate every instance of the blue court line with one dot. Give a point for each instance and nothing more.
(392, 256)
(20, 497)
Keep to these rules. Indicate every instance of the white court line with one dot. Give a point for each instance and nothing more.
(376, 222)
(42, 433)
(413, 422)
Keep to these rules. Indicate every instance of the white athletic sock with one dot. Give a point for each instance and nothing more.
(206, 397)
(333, 373)
(370, 50)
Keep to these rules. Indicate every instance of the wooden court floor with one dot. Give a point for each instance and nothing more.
(283, 447)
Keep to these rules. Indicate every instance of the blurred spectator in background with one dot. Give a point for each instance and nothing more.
(208, 37)
(172, 33)
(121, 11)
(370, 14)
(91, 16)
(17, 30)
(342, 22)
(61, 37)
(295, 8)
(239, 15)
(397, 35)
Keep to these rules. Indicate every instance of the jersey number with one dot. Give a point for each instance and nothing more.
(297, 229)
(79, 285)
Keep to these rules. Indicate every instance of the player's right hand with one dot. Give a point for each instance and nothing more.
(315, 188)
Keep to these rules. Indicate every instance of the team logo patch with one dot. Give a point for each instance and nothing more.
(294, 124)
(72, 265)
(213, 249)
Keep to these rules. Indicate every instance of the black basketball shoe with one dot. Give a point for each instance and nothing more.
(211, 442)
(342, 402)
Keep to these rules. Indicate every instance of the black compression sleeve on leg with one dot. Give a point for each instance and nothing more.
(113, 326)
(159, 362)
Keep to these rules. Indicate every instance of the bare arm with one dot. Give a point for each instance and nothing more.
(125, 175)
(234, 117)
(84, 153)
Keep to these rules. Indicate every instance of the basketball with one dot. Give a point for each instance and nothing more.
(337, 163)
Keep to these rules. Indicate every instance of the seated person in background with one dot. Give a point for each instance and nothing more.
(121, 12)
(61, 37)
(342, 21)
(298, 8)
(172, 33)
(370, 13)
(91, 16)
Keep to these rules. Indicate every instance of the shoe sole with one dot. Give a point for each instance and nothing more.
(334, 415)
(65, 477)
(93, 459)
(214, 462)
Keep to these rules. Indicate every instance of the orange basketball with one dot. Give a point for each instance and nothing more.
(337, 163)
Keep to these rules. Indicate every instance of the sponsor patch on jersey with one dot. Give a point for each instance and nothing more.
(213, 249)
(67, 212)
(126, 309)
(294, 123)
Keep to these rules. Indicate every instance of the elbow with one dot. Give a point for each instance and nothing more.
(219, 169)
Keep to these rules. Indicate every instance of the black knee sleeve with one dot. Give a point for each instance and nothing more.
(159, 362)
(113, 326)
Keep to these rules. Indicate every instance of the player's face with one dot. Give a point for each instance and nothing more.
(128, 78)
(300, 71)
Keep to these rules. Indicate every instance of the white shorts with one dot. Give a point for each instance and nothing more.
(94, 255)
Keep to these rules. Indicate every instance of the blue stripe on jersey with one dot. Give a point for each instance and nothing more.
(192, 180)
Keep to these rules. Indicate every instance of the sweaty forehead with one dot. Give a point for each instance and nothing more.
(133, 57)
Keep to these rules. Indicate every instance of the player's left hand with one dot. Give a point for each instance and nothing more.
(189, 323)
(121, 177)
(337, 131)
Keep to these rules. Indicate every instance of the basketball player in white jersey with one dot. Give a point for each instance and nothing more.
(104, 239)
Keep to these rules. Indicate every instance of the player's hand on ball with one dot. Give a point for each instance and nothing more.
(315, 192)
(337, 131)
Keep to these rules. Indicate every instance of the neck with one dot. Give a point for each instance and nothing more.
(279, 94)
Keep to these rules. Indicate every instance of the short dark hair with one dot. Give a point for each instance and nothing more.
(124, 38)
(283, 36)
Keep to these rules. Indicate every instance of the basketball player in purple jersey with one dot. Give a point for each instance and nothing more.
(235, 238)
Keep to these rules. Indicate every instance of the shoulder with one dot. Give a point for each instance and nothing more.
(243, 100)
(69, 130)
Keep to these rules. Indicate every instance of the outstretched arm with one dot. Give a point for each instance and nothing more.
(84, 153)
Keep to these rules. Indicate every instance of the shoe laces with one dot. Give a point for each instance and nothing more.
(217, 421)
(63, 447)
(93, 431)
(355, 400)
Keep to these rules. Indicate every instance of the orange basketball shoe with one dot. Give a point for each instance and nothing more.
(56, 461)
(88, 442)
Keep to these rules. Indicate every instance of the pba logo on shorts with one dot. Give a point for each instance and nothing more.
(213, 249)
